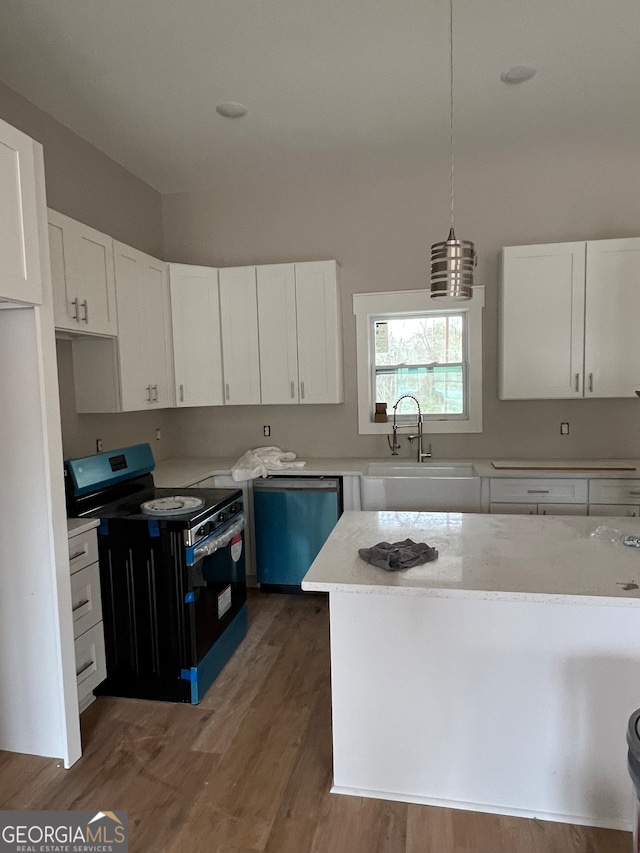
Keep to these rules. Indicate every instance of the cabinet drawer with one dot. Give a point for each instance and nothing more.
(614, 491)
(562, 509)
(530, 490)
(86, 602)
(83, 550)
(513, 508)
(91, 667)
(622, 510)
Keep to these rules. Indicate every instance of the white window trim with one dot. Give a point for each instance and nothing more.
(368, 305)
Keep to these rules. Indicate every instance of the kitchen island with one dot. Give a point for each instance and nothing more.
(499, 677)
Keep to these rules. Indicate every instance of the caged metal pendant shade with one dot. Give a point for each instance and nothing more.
(452, 260)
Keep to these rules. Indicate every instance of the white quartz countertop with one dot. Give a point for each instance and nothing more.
(186, 470)
(498, 557)
(75, 526)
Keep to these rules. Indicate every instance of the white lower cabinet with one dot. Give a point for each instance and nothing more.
(614, 497)
(86, 604)
(537, 496)
(133, 371)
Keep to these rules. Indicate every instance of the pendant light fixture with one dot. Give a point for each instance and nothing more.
(453, 260)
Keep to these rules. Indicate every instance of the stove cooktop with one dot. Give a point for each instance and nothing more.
(213, 500)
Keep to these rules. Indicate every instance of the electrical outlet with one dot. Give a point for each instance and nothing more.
(266, 431)
(158, 434)
(564, 428)
(98, 445)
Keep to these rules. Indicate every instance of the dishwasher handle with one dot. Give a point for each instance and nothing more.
(297, 484)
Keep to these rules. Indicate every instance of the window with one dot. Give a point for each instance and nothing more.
(408, 344)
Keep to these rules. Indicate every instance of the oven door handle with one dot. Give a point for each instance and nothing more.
(215, 542)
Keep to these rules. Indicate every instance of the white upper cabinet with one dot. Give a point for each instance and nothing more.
(20, 270)
(612, 333)
(277, 326)
(319, 332)
(84, 296)
(239, 322)
(300, 333)
(542, 321)
(197, 346)
(133, 371)
(568, 320)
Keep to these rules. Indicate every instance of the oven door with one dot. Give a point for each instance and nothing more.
(217, 589)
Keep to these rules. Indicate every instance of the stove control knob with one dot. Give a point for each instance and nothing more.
(200, 531)
(222, 516)
(234, 508)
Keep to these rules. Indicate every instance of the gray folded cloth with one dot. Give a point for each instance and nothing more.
(394, 556)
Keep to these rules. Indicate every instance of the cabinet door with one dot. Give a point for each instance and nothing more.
(619, 510)
(82, 276)
(20, 271)
(277, 325)
(197, 348)
(612, 339)
(319, 332)
(513, 508)
(143, 327)
(562, 509)
(239, 322)
(542, 321)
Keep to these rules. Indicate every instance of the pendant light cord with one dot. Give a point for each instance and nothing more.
(451, 101)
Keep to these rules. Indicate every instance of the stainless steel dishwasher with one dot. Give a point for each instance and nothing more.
(293, 517)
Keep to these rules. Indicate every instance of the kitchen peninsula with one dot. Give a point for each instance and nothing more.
(499, 677)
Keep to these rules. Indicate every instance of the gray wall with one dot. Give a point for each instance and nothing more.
(378, 220)
(85, 184)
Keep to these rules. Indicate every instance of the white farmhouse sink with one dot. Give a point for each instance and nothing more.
(426, 486)
(420, 469)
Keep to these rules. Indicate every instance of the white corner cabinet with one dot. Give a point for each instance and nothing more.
(568, 320)
(82, 272)
(20, 264)
(86, 604)
(132, 372)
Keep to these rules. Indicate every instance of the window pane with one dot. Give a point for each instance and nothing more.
(440, 390)
(419, 340)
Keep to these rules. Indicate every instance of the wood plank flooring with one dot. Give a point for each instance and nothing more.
(249, 769)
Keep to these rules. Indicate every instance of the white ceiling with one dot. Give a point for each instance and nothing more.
(140, 79)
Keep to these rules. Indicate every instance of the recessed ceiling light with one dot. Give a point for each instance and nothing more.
(230, 109)
(518, 74)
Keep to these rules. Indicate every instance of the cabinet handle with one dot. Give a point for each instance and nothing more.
(591, 382)
(544, 512)
(577, 381)
(83, 669)
(85, 305)
(76, 303)
(634, 494)
(537, 491)
(226, 391)
(293, 390)
(82, 604)
(78, 554)
(148, 393)
(182, 393)
(302, 390)
(155, 393)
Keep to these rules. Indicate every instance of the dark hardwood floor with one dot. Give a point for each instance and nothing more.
(249, 769)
